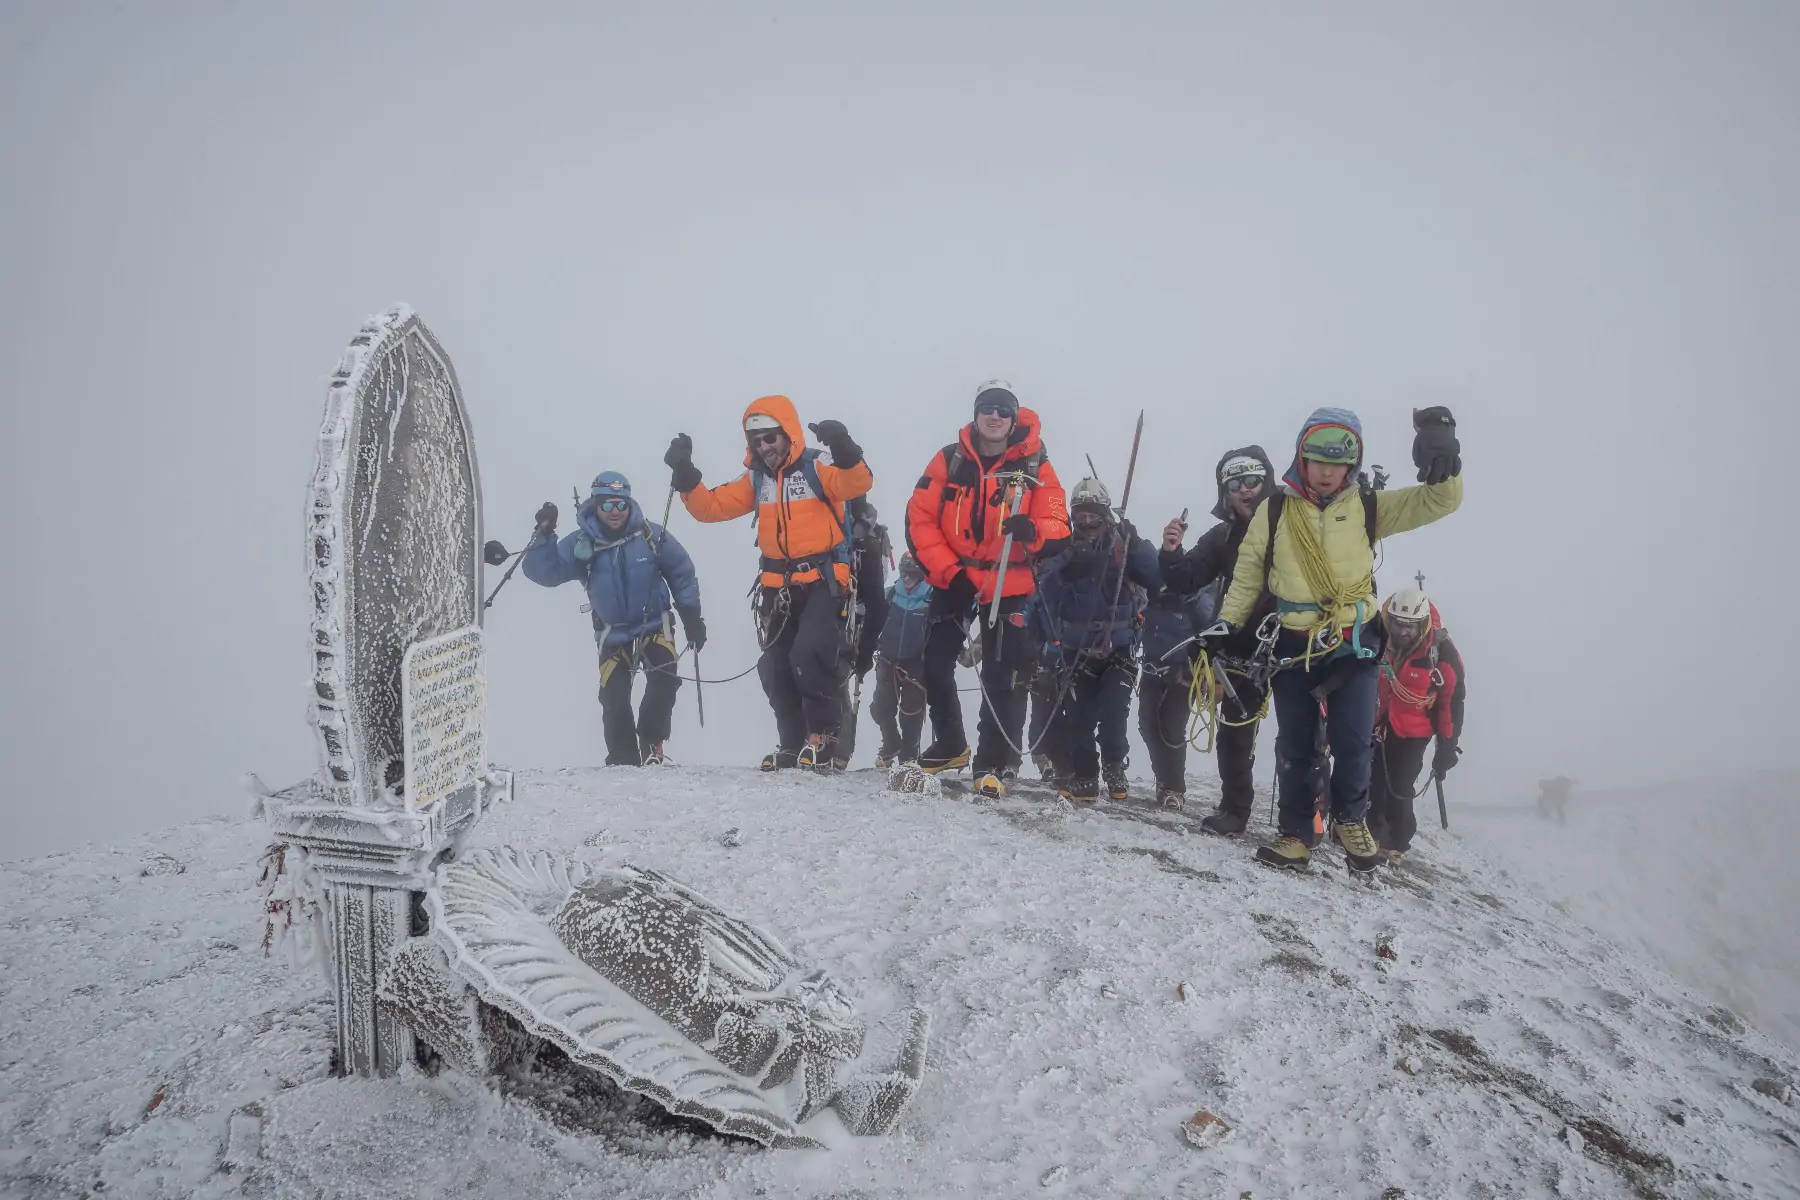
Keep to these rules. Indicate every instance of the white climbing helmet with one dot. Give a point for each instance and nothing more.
(1408, 604)
(1090, 492)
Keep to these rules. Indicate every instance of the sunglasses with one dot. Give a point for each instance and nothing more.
(1244, 483)
(614, 504)
(764, 437)
(993, 410)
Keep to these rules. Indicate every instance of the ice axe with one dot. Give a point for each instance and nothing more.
(1018, 484)
(699, 697)
(1437, 777)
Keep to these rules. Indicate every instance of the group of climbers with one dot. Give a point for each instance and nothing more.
(1066, 607)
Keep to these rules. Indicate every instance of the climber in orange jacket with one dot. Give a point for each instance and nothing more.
(801, 496)
(957, 521)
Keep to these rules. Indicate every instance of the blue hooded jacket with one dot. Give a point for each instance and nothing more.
(1075, 590)
(908, 620)
(630, 574)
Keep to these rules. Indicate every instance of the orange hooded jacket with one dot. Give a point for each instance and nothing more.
(796, 530)
(954, 523)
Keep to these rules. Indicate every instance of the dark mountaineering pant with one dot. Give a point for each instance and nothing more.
(628, 741)
(1041, 699)
(802, 660)
(1163, 721)
(1097, 705)
(899, 706)
(1008, 657)
(1350, 685)
(1163, 714)
(1235, 746)
(1392, 781)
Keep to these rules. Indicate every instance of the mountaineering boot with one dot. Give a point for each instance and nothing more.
(1225, 824)
(990, 787)
(780, 760)
(1393, 857)
(1360, 850)
(1045, 768)
(943, 758)
(1080, 791)
(1170, 798)
(1286, 852)
(883, 761)
(817, 754)
(653, 757)
(1116, 785)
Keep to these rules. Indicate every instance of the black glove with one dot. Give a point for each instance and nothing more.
(1129, 530)
(865, 661)
(693, 625)
(1436, 452)
(1022, 528)
(1444, 757)
(546, 518)
(1210, 638)
(681, 450)
(844, 452)
(493, 553)
(960, 593)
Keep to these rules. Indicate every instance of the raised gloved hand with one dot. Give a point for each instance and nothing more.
(1021, 527)
(1436, 452)
(1445, 756)
(693, 627)
(684, 476)
(832, 434)
(546, 518)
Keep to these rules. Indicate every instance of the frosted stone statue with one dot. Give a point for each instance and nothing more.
(476, 958)
(646, 981)
(398, 700)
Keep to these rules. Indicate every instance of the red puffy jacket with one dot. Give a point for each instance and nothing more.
(1423, 693)
(954, 516)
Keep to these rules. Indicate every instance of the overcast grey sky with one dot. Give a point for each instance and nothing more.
(1574, 224)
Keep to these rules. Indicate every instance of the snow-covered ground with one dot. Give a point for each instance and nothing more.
(1696, 876)
(1505, 1049)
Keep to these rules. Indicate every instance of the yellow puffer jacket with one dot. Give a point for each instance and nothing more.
(1342, 534)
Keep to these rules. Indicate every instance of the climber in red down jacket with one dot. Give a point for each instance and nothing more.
(1421, 697)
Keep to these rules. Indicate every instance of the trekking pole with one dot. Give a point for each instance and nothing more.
(1443, 814)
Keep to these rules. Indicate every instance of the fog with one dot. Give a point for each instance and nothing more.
(1572, 224)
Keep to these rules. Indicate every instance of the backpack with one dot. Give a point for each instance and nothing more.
(1279, 500)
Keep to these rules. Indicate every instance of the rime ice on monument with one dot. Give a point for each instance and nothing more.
(476, 959)
(398, 704)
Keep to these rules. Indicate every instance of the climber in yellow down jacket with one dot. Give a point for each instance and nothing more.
(1319, 565)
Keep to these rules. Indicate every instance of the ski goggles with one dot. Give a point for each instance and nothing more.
(1244, 483)
(614, 504)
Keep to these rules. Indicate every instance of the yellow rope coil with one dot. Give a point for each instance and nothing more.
(1203, 704)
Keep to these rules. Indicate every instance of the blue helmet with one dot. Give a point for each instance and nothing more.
(610, 483)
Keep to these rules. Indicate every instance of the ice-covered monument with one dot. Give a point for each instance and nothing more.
(476, 959)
